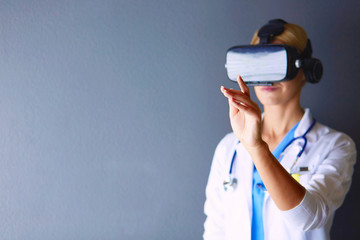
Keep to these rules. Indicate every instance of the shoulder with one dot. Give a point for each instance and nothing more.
(226, 146)
(333, 137)
(321, 133)
(228, 141)
(336, 147)
(229, 138)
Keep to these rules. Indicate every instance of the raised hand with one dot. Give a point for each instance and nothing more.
(245, 115)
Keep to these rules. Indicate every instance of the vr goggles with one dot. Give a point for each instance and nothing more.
(266, 63)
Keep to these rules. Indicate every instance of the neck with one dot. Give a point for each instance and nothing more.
(278, 120)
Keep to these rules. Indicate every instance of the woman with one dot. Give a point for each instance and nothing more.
(277, 196)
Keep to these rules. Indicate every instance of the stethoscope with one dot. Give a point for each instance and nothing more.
(230, 182)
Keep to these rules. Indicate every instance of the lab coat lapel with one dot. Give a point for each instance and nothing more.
(304, 124)
(290, 154)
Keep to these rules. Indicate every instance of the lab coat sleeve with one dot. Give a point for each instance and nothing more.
(328, 185)
(213, 207)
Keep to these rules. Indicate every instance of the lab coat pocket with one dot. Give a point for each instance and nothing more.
(306, 167)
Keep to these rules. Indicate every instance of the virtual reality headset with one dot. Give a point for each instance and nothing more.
(266, 63)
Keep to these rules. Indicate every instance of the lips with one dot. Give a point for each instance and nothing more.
(269, 89)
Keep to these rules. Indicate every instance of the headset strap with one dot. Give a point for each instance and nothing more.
(273, 28)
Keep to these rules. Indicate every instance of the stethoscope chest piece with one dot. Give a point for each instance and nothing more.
(230, 184)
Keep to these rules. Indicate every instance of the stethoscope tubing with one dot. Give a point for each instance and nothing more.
(287, 145)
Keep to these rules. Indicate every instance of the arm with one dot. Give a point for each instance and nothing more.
(213, 208)
(215, 205)
(328, 185)
(245, 118)
(284, 190)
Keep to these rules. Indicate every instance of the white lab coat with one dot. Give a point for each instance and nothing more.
(330, 157)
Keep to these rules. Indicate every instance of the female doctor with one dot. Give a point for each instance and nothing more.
(288, 173)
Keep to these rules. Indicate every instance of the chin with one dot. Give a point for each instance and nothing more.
(268, 101)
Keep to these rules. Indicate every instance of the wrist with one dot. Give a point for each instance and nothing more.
(259, 148)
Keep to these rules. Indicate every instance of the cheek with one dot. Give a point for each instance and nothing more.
(257, 92)
(294, 86)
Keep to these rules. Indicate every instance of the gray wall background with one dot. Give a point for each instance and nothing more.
(110, 110)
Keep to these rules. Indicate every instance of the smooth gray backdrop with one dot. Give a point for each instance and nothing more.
(110, 111)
